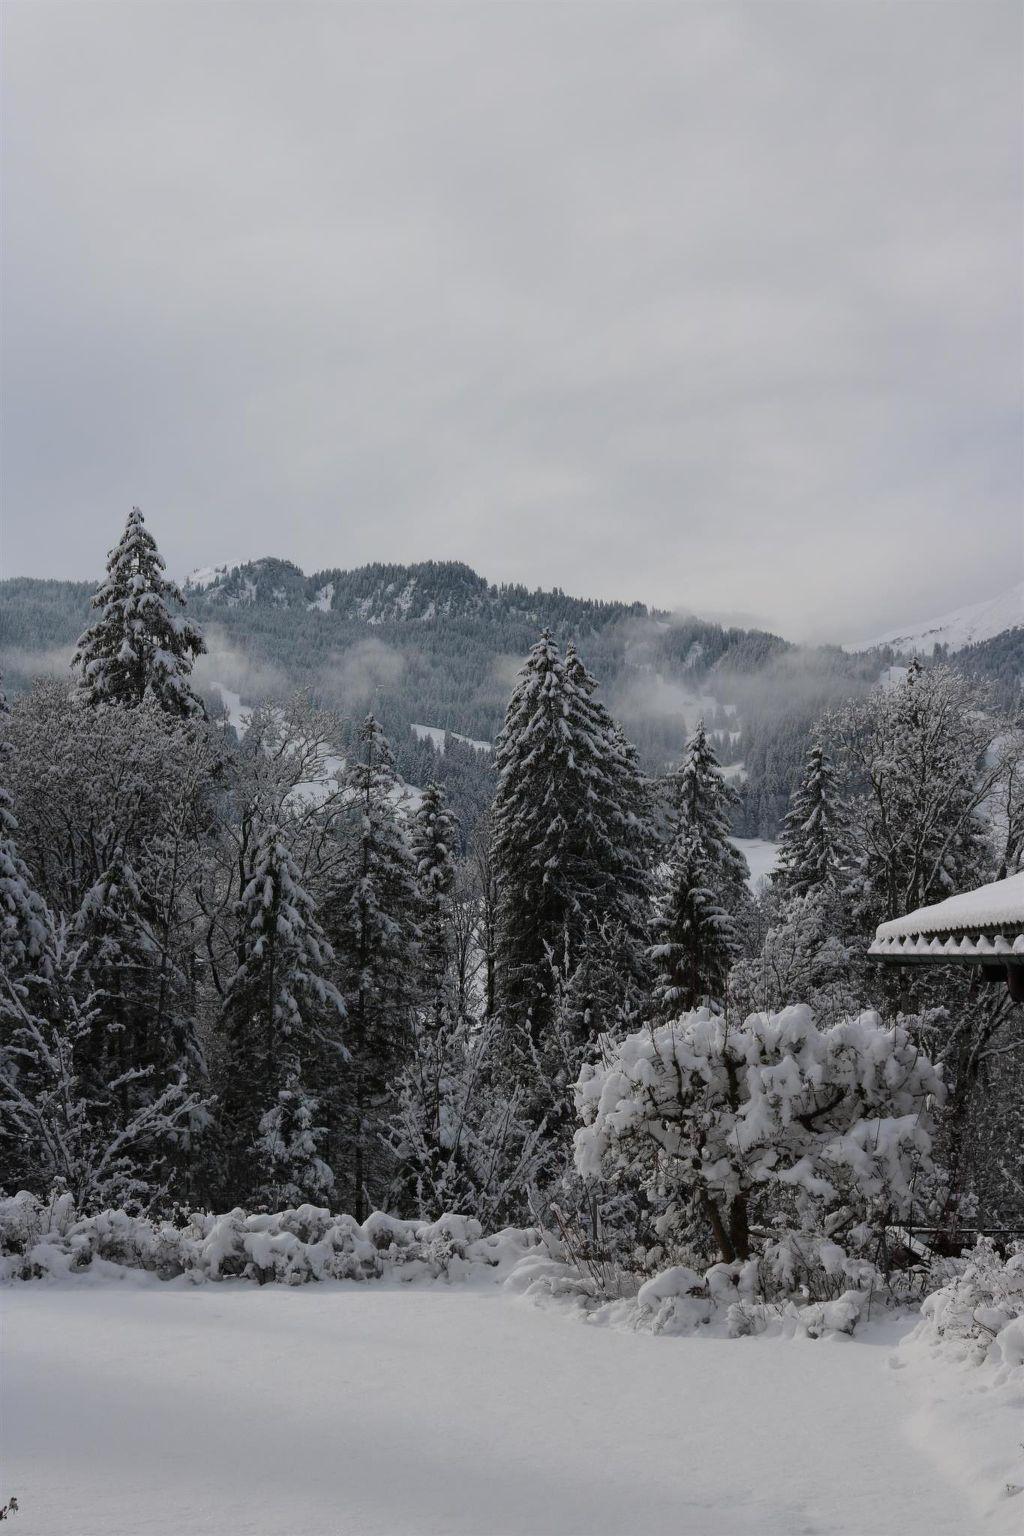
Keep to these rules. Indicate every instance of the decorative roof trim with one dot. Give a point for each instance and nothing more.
(996, 948)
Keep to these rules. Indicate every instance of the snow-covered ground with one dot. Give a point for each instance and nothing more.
(963, 626)
(238, 714)
(141, 1408)
(760, 854)
(436, 734)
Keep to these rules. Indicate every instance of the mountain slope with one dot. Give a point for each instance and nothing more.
(377, 594)
(961, 627)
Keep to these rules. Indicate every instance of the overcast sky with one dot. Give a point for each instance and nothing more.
(714, 306)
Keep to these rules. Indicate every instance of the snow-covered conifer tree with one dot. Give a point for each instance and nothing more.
(571, 829)
(74, 1111)
(702, 885)
(423, 1139)
(695, 937)
(812, 846)
(23, 917)
(371, 912)
(434, 837)
(288, 1147)
(139, 646)
(282, 1015)
(701, 799)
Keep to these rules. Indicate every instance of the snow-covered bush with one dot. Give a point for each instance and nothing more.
(48, 1239)
(769, 1128)
(979, 1315)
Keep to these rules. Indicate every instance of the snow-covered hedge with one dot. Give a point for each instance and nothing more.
(727, 1300)
(979, 1315)
(49, 1239)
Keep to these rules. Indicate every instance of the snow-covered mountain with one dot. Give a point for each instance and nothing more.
(963, 626)
(431, 591)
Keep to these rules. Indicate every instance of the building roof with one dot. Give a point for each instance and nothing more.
(982, 925)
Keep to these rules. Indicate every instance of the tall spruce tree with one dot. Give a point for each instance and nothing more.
(434, 837)
(695, 936)
(139, 647)
(812, 846)
(370, 912)
(571, 831)
(283, 1019)
(702, 885)
(701, 800)
(142, 1033)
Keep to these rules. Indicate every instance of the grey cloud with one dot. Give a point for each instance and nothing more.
(352, 677)
(714, 306)
(238, 671)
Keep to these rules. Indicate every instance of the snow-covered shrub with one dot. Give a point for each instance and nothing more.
(979, 1315)
(40, 1239)
(769, 1128)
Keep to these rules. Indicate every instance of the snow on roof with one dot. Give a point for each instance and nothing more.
(998, 905)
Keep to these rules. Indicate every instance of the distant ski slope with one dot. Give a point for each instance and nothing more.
(964, 626)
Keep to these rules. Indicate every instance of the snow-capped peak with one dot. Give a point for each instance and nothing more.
(963, 626)
(205, 576)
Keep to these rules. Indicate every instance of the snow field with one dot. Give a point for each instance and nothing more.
(761, 856)
(139, 1408)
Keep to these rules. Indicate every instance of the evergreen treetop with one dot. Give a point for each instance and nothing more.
(695, 936)
(811, 847)
(571, 825)
(139, 647)
(701, 800)
(371, 912)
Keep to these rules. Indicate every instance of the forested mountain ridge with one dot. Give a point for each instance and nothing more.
(381, 593)
(436, 644)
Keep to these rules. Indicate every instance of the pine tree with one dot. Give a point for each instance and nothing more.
(571, 830)
(700, 799)
(24, 919)
(139, 646)
(371, 912)
(812, 843)
(426, 1161)
(703, 885)
(695, 937)
(434, 838)
(288, 1147)
(282, 1016)
(141, 1034)
(104, 1131)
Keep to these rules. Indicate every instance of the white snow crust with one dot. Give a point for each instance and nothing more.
(761, 855)
(349, 1410)
(436, 734)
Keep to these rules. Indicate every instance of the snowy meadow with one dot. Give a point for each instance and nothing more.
(453, 1388)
